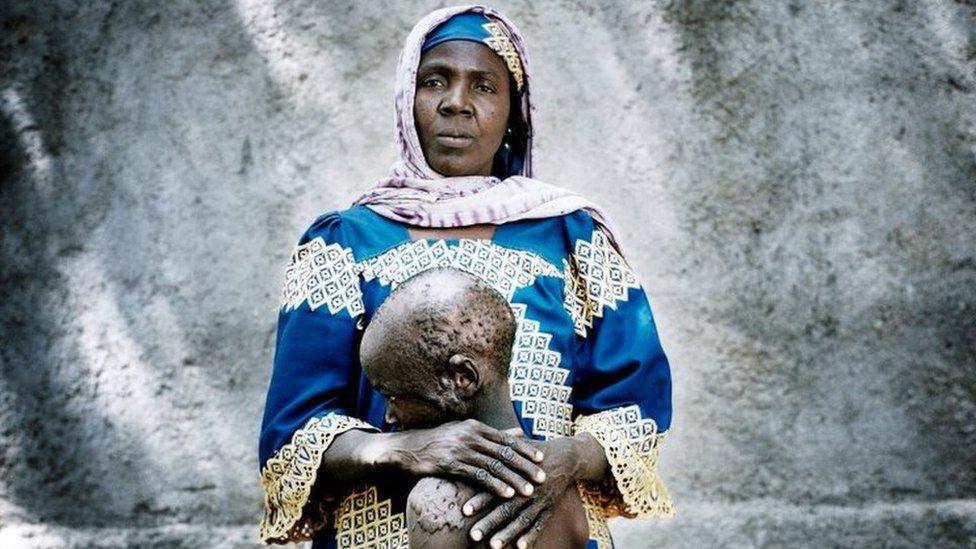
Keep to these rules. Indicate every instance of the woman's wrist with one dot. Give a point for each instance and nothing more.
(379, 452)
(392, 452)
(585, 456)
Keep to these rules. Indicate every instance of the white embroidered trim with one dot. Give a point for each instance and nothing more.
(595, 276)
(364, 521)
(288, 476)
(321, 273)
(537, 380)
(504, 269)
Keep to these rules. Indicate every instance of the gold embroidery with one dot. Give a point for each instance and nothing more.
(322, 274)
(537, 380)
(504, 269)
(632, 445)
(575, 299)
(363, 521)
(595, 521)
(288, 476)
(596, 276)
(504, 47)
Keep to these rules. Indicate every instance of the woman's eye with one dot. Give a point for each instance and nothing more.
(486, 88)
(431, 82)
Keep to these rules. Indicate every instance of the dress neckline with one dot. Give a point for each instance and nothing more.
(405, 235)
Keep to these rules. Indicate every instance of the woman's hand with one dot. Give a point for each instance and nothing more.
(502, 462)
(522, 519)
(525, 516)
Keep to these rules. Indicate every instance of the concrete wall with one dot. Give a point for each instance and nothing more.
(795, 180)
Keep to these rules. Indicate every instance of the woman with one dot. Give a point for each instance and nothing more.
(588, 377)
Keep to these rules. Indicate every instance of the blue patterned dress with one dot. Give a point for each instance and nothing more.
(586, 358)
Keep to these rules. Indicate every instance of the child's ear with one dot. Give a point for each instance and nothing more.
(465, 375)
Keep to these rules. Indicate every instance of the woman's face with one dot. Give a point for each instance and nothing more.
(461, 107)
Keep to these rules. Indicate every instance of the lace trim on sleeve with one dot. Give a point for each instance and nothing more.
(288, 476)
(632, 445)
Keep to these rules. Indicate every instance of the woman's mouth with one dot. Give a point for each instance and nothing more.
(454, 140)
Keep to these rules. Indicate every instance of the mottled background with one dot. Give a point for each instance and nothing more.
(796, 181)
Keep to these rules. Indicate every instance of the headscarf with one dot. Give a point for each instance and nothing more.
(414, 194)
(478, 28)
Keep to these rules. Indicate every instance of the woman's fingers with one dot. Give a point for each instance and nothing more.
(514, 440)
(477, 503)
(497, 517)
(496, 468)
(491, 458)
(523, 521)
(529, 538)
(482, 477)
(518, 461)
(522, 445)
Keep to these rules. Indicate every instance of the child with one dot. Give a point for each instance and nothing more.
(438, 349)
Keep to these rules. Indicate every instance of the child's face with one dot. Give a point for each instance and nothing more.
(414, 397)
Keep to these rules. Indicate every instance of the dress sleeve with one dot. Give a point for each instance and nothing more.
(316, 369)
(622, 385)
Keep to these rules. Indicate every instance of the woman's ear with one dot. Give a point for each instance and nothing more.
(465, 375)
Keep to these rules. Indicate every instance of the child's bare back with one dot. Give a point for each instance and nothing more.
(435, 519)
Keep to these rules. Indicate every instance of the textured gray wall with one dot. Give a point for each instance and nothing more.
(795, 180)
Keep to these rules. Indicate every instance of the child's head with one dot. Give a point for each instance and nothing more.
(440, 341)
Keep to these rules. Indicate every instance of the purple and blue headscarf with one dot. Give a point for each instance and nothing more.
(476, 27)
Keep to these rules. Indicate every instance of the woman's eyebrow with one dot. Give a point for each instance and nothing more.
(449, 68)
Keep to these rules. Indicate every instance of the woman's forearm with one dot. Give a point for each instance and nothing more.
(469, 450)
(355, 456)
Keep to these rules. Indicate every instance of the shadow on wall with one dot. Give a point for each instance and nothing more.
(834, 207)
(108, 391)
(54, 464)
(139, 304)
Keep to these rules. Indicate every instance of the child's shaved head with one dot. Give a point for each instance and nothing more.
(441, 312)
(407, 348)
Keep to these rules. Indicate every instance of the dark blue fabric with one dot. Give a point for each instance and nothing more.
(316, 366)
(463, 26)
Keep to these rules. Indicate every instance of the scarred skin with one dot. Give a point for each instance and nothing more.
(435, 519)
(470, 450)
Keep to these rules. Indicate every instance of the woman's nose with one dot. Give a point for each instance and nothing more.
(457, 100)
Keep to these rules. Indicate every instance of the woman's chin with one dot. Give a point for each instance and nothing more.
(457, 167)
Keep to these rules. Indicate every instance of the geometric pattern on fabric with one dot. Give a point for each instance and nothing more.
(288, 476)
(321, 273)
(632, 445)
(537, 380)
(363, 521)
(503, 269)
(596, 277)
(503, 46)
